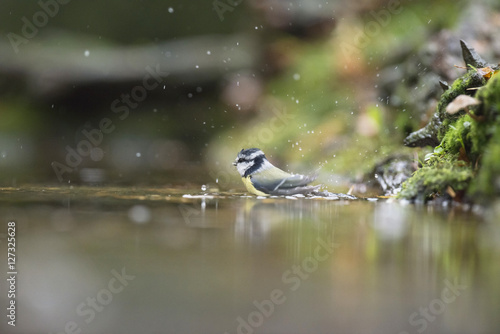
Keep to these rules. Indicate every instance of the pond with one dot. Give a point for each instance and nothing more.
(171, 260)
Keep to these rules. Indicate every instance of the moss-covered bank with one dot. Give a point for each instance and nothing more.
(466, 163)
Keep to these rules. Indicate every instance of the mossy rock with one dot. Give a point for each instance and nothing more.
(467, 160)
(486, 141)
(433, 133)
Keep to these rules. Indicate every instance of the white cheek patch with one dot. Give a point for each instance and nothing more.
(243, 166)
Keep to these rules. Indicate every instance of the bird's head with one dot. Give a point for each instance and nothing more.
(249, 161)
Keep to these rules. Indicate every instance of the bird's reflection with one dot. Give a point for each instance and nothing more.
(291, 224)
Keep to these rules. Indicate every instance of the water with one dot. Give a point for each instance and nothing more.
(132, 260)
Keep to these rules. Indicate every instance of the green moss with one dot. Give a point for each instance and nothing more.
(461, 135)
(460, 86)
(490, 98)
(433, 133)
(486, 140)
(487, 182)
(468, 157)
(431, 181)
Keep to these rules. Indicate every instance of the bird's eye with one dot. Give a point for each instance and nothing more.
(241, 160)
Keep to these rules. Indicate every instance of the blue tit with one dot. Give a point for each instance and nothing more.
(263, 179)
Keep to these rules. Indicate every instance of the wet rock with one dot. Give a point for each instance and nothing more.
(444, 85)
(392, 172)
(431, 134)
(465, 165)
(414, 82)
(471, 57)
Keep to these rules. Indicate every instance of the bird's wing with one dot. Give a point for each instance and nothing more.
(293, 191)
(277, 182)
(297, 180)
(269, 179)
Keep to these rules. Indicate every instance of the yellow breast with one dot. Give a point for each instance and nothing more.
(248, 184)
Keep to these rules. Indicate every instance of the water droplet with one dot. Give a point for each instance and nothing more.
(204, 188)
(86, 53)
(170, 10)
(138, 154)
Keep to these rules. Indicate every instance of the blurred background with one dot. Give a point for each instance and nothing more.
(152, 100)
(167, 92)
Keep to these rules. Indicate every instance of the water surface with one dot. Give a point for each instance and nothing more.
(139, 260)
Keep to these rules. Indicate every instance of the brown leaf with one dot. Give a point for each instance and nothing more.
(460, 103)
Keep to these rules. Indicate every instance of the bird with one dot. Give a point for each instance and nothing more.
(262, 178)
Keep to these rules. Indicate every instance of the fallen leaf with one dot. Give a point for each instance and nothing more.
(461, 102)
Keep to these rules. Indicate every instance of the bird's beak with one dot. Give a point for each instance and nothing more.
(234, 163)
